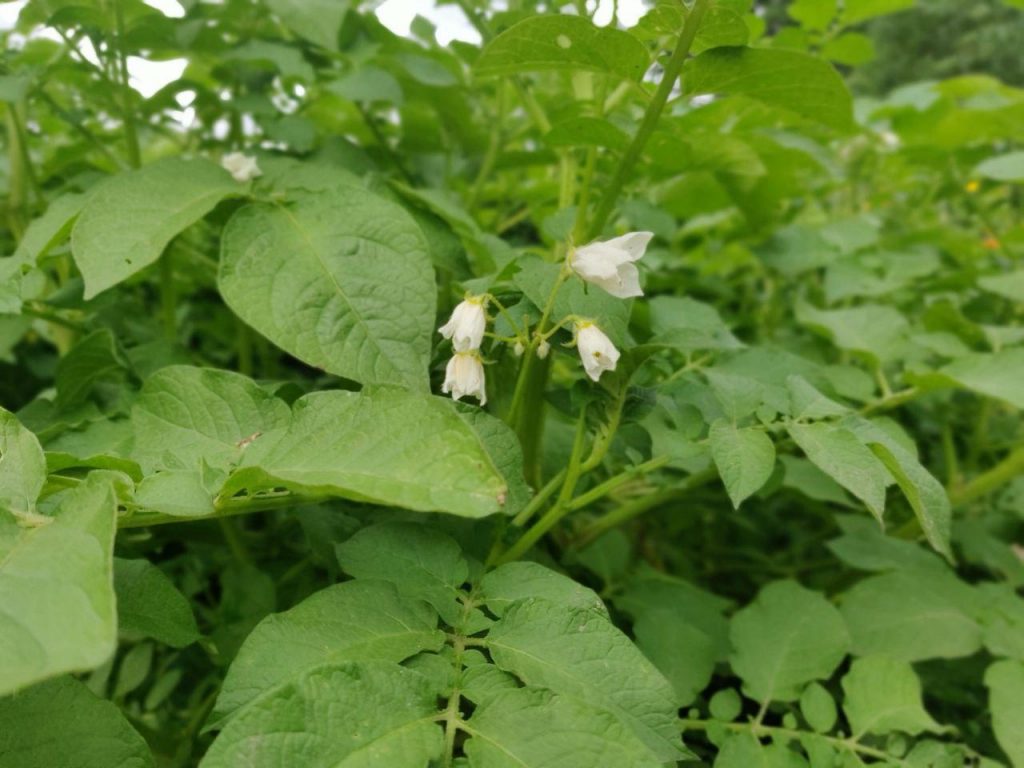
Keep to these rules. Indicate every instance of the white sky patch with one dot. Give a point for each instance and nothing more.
(170, 8)
(148, 77)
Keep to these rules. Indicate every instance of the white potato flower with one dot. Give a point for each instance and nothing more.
(543, 349)
(242, 167)
(467, 324)
(465, 376)
(596, 350)
(609, 264)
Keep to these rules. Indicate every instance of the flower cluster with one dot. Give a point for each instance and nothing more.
(609, 264)
(465, 372)
(243, 168)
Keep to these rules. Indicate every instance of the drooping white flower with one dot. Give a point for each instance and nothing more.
(596, 350)
(242, 167)
(465, 376)
(467, 324)
(609, 264)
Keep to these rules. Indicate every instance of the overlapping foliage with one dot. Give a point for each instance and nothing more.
(239, 526)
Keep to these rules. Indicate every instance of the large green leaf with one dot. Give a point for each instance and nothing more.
(319, 21)
(577, 652)
(341, 279)
(529, 728)
(62, 724)
(129, 220)
(421, 562)
(923, 492)
(1005, 681)
(347, 715)
(745, 458)
(911, 615)
(998, 374)
(394, 447)
(837, 452)
(1008, 167)
(56, 587)
(185, 417)
(787, 637)
(883, 695)
(353, 621)
(22, 465)
(793, 81)
(149, 605)
(563, 41)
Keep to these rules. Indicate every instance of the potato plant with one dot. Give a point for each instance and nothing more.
(598, 395)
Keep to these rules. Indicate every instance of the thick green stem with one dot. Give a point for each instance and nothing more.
(634, 509)
(127, 99)
(650, 118)
(611, 484)
(1002, 473)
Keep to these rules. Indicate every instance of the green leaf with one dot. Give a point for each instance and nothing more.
(856, 11)
(62, 724)
(689, 325)
(998, 374)
(586, 131)
(806, 402)
(368, 84)
(56, 587)
(926, 495)
(1005, 681)
(865, 547)
(795, 82)
(22, 465)
(911, 616)
(813, 14)
(346, 715)
(353, 621)
(1007, 284)
(787, 637)
(818, 708)
(1008, 167)
(876, 331)
(149, 605)
(130, 218)
(851, 49)
(47, 230)
(186, 416)
(1001, 616)
(421, 562)
(562, 41)
(882, 695)
(577, 652)
(745, 458)
(530, 728)
(682, 652)
(837, 452)
(522, 580)
(318, 21)
(308, 275)
(391, 447)
(720, 27)
(94, 359)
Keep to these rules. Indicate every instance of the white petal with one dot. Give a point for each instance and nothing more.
(633, 243)
(596, 262)
(597, 352)
(627, 283)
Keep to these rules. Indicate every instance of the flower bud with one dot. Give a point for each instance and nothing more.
(542, 349)
(609, 264)
(519, 349)
(596, 350)
(242, 167)
(467, 324)
(465, 376)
